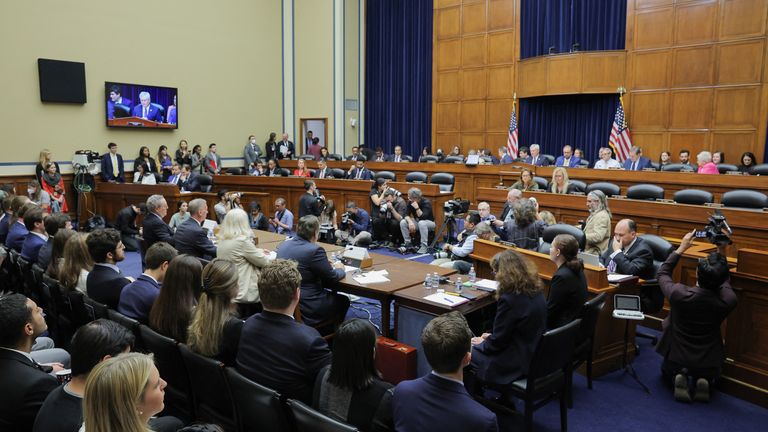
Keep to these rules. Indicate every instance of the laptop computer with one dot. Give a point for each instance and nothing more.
(627, 307)
(590, 259)
(472, 160)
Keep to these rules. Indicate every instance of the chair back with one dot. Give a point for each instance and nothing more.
(82, 312)
(549, 158)
(428, 158)
(609, 189)
(744, 198)
(583, 163)
(723, 168)
(389, 175)
(577, 186)
(416, 177)
(205, 181)
(178, 398)
(100, 310)
(693, 196)
(453, 159)
(486, 159)
(542, 182)
(589, 314)
(285, 172)
(677, 167)
(660, 248)
(656, 166)
(759, 169)
(210, 394)
(406, 158)
(645, 191)
(236, 171)
(444, 180)
(25, 270)
(256, 407)
(129, 323)
(338, 173)
(305, 419)
(312, 172)
(553, 353)
(307, 157)
(335, 157)
(553, 231)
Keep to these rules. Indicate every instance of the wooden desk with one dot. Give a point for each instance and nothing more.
(268, 237)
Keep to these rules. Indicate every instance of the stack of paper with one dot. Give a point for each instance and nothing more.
(486, 285)
(376, 276)
(615, 277)
(446, 299)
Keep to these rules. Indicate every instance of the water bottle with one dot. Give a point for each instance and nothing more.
(472, 274)
(428, 281)
(459, 285)
(435, 280)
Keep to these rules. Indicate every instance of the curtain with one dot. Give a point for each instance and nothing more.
(583, 121)
(398, 64)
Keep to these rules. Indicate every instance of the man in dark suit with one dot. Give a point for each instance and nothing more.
(318, 304)
(188, 180)
(309, 203)
(137, 297)
(438, 401)
(358, 171)
(145, 109)
(636, 161)
(628, 254)
(504, 157)
(568, 160)
(106, 281)
(154, 228)
(691, 342)
(285, 148)
(275, 350)
(112, 169)
(322, 170)
(251, 153)
(536, 158)
(37, 237)
(17, 231)
(24, 383)
(116, 98)
(397, 156)
(355, 154)
(380, 156)
(190, 237)
(53, 223)
(125, 222)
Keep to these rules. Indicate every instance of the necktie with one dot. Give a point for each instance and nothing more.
(397, 158)
(145, 113)
(634, 166)
(115, 169)
(358, 174)
(322, 174)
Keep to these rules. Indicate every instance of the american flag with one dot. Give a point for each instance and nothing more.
(512, 138)
(619, 140)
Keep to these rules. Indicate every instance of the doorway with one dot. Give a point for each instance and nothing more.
(319, 129)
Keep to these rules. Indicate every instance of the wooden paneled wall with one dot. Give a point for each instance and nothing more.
(695, 70)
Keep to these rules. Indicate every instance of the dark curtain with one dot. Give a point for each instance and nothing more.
(398, 64)
(583, 121)
(594, 24)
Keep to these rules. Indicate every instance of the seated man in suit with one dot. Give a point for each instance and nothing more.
(116, 98)
(282, 223)
(112, 169)
(24, 382)
(190, 237)
(419, 217)
(18, 232)
(145, 109)
(358, 171)
(310, 202)
(322, 170)
(106, 281)
(137, 297)
(318, 304)
(175, 174)
(504, 157)
(685, 160)
(636, 161)
(535, 158)
(125, 222)
(438, 401)
(355, 154)
(188, 180)
(606, 161)
(154, 227)
(380, 156)
(628, 254)
(397, 156)
(53, 223)
(37, 237)
(276, 350)
(568, 160)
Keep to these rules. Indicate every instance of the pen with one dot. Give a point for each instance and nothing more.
(448, 300)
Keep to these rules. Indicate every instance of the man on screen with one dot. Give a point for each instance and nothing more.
(116, 98)
(145, 109)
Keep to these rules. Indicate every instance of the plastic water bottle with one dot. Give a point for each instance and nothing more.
(435, 280)
(459, 285)
(472, 274)
(428, 281)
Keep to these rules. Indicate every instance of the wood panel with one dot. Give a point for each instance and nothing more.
(448, 116)
(686, 141)
(473, 51)
(473, 116)
(649, 110)
(473, 18)
(500, 82)
(474, 84)
(532, 77)
(501, 15)
(690, 109)
(694, 66)
(599, 71)
(502, 47)
(737, 62)
(448, 54)
(448, 86)
(498, 114)
(703, 14)
(653, 28)
(651, 69)
(564, 74)
(737, 107)
(584, 72)
(447, 22)
(743, 18)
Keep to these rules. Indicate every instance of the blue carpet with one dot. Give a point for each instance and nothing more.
(616, 402)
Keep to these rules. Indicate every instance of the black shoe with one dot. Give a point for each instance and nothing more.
(701, 394)
(682, 394)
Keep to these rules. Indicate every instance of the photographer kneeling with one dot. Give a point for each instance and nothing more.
(419, 217)
(355, 226)
(457, 256)
(392, 209)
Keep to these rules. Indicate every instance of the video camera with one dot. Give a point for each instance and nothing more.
(455, 207)
(715, 230)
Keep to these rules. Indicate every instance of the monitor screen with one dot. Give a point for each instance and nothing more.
(141, 106)
(628, 302)
(61, 81)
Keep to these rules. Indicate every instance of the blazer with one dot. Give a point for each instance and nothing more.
(153, 112)
(271, 150)
(151, 164)
(642, 163)
(125, 221)
(251, 154)
(506, 354)
(393, 158)
(317, 303)
(207, 163)
(540, 160)
(137, 297)
(364, 175)
(107, 173)
(5, 220)
(31, 247)
(44, 254)
(191, 183)
(597, 229)
(155, 230)
(291, 150)
(249, 261)
(111, 106)
(691, 332)
(369, 409)
(181, 159)
(17, 233)
(190, 238)
(507, 159)
(434, 403)
(526, 237)
(104, 285)
(572, 162)
(567, 294)
(25, 387)
(282, 354)
(383, 158)
(637, 261)
(326, 173)
(519, 185)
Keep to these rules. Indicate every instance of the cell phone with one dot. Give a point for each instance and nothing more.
(699, 234)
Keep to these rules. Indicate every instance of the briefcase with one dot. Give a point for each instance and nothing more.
(396, 361)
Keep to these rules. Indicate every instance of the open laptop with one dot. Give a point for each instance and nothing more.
(590, 259)
(627, 307)
(472, 160)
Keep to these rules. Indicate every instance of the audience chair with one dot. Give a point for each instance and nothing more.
(205, 181)
(552, 231)
(542, 182)
(17, 277)
(416, 177)
(285, 172)
(585, 341)
(257, 408)
(549, 158)
(609, 189)
(210, 395)
(6, 284)
(24, 268)
(744, 198)
(676, 167)
(693, 196)
(651, 297)
(129, 323)
(444, 180)
(335, 157)
(760, 169)
(645, 191)
(307, 157)
(724, 168)
(305, 419)
(429, 159)
(338, 173)
(577, 186)
(389, 175)
(82, 312)
(100, 310)
(178, 393)
(236, 171)
(60, 308)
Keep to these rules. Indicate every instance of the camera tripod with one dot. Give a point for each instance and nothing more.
(449, 227)
(625, 364)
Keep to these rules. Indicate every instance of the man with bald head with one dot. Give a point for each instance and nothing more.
(628, 254)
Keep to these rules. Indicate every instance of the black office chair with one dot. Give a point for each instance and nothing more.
(158, 177)
(205, 181)
(723, 168)
(60, 312)
(129, 323)
(553, 231)
(178, 393)
(428, 159)
(312, 172)
(82, 312)
(444, 180)
(651, 297)
(406, 158)
(160, 111)
(256, 407)
(585, 340)
(335, 157)
(759, 169)
(487, 159)
(583, 163)
(693, 196)
(609, 189)
(236, 171)
(453, 159)
(389, 175)
(210, 394)
(676, 167)
(577, 186)
(307, 157)
(416, 177)
(285, 172)
(645, 191)
(744, 198)
(549, 158)
(656, 166)
(305, 419)
(338, 173)
(100, 310)
(542, 182)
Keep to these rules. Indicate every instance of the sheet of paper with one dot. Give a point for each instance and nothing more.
(446, 299)
(615, 277)
(486, 284)
(370, 278)
(349, 268)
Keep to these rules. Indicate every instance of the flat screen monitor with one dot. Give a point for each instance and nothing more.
(61, 81)
(141, 106)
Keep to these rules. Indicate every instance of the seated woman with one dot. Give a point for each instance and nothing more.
(597, 228)
(237, 246)
(526, 182)
(273, 169)
(57, 252)
(560, 183)
(718, 157)
(179, 217)
(665, 158)
(172, 310)
(301, 170)
(504, 355)
(748, 160)
(38, 196)
(76, 262)
(53, 183)
(324, 153)
(215, 331)
(350, 388)
(257, 219)
(526, 228)
(568, 289)
(143, 175)
(706, 166)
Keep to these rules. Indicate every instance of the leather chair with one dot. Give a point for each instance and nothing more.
(656, 166)
(609, 189)
(100, 310)
(158, 178)
(453, 159)
(487, 159)
(338, 173)
(651, 297)
(744, 198)
(236, 171)
(389, 175)
(210, 394)
(307, 157)
(577, 186)
(59, 310)
(335, 157)
(129, 323)
(553, 231)
(583, 163)
(585, 340)
(285, 172)
(551, 159)
(305, 419)
(122, 111)
(428, 159)
(645, 191)
(444, 180)
(416, 177)
(256, 407)
(724, 168)
(693, 196)
(759, 169)
(205, 181)
(312, 172)
(82, 313)
(160, 110)
(16, 279)
(542, 182)
(178, 393)
(406, 158)
(676, 167)
(25, 270)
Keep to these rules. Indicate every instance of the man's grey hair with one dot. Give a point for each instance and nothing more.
(636, 150)
(144, 96)
(280, 201)
(517, 193)
(503, 150)
(196, 205)
(308, 227)
(533, 146)
(154, 202)
(414, 193)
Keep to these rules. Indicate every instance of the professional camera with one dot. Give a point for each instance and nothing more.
(235, 195)
(455, 207)
(715, 230)
(441, 254)
(394, 192)
(345, 219)
(383, 207)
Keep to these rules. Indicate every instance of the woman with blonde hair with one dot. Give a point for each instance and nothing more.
(76, 262)
(236, 245)
(503, 356)
(560, 183)
(122, 393)
(45, 158)
(301, 169)
(215, 331)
